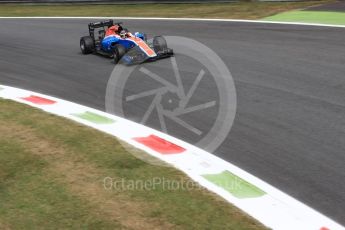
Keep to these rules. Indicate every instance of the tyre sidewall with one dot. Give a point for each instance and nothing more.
(118, 52)
(86, 45)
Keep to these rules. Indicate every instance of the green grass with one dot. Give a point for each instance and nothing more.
(336, 18)
(240, 10)
(51, 177)
(30, 199)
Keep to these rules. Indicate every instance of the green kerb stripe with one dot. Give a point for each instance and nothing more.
(335, 18)
(94, 118)
(234, 185)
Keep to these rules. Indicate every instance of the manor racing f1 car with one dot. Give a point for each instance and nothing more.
(112, 40)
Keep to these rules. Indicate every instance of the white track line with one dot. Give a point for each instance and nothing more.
(189, 19)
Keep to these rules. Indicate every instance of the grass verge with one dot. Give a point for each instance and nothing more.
(336, 18)
(240, 10)
(52, 172)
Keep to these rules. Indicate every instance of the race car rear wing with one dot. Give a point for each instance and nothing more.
(106, 23)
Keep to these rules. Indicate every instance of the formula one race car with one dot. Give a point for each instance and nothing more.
(112, 40)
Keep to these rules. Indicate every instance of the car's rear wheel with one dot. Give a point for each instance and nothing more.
(159, 44)
(86, 45)
(118, 52)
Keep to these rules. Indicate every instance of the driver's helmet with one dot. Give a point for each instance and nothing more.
(123, 33)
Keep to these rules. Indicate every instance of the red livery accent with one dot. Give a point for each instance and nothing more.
(143, 46)
(113, 30)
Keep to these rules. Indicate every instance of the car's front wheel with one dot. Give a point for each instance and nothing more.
(86, 45)
(118, 52)
(159, 44)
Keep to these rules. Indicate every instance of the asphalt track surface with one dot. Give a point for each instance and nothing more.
(289, 128)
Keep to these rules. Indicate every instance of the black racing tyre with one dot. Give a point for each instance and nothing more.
(118, 52)
(159, 44)
(86, 45)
